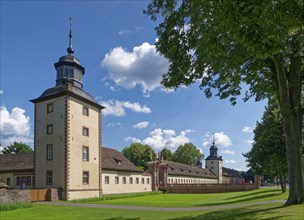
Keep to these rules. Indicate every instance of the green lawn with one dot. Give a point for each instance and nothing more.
(256, 212)
(195, 200)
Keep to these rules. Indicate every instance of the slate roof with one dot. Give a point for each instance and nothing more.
(180, 169)
(17, 162)
(112, 159)
(231, 172)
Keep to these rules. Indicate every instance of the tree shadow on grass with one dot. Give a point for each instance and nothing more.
(251, 193)
(122, 218)
(239, 213)
(239, 200)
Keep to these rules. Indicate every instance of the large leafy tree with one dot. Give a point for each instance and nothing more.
(268, 153)
(139, 154)
(224, 44)
(187, 154)
(17, 147)
(166, 154)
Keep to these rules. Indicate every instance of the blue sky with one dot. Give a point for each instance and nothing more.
(114, 41)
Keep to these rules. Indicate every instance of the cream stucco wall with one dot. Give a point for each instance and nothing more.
(112, 188)
(82, 194)
(57, 139)
(77, 140)
(68, 140)
(182, 179)
(216, 167)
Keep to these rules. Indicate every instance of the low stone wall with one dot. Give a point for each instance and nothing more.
(207, 188)
(15, 196)
(29, 195)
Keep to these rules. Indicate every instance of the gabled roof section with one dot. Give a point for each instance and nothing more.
(17, 162)
(231, 173)
(112, 159)
(180, 169)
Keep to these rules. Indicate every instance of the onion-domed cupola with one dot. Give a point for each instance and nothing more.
(68, 67)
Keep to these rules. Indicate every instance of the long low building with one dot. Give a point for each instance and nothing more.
(119, 175)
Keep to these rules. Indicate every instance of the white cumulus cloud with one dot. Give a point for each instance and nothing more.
(231, 152)
(141, 125)
(14, 126)
(249, 142)
(220, 139)
(112, 124)
(1, 91)
(230, 161)
(118, 108)
(142, 66)
(247, 129)
(159, 138)
(132, 139)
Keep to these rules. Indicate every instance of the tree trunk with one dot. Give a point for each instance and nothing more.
(283, 186)
(289, 96)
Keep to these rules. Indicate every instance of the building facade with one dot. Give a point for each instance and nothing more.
(67, 142)
(214, 163)
(16, 170)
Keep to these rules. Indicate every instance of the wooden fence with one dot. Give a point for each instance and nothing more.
(38, 195)
(207, 188)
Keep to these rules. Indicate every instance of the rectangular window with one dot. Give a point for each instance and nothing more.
(85, 131)
(116, 180)
(142, 180)
(212, 162)
(124, 180)
(148, 181)
(18, 180)
(49, 152)
(85, 153)
(50, 108)
(49, 177)
(137, 180)
(85, 177)
(131, 180)
(107, 180)
(49, 129)
(28, 180)
(85, 111)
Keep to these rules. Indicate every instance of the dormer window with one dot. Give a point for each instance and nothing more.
(172, 168)
(119, 162)
(182, 170)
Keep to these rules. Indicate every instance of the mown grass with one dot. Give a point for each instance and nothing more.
(265, 211)
(196, 200)
(14, 206)
(254, 212)
(116, 196)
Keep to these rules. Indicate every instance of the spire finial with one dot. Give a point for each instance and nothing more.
(70, 49)
(213, 138)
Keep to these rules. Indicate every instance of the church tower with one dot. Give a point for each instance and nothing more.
(67, 132)
(214, 162)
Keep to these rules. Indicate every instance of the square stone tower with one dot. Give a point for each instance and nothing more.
(67, 134)
(214, 163)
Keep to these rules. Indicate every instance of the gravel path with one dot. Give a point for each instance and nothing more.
(158, 208)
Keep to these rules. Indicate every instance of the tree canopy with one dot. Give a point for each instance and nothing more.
(166, 154)
(187, 154)
(225, 44)
(17, 147)
(268, 153)
(139, 154)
